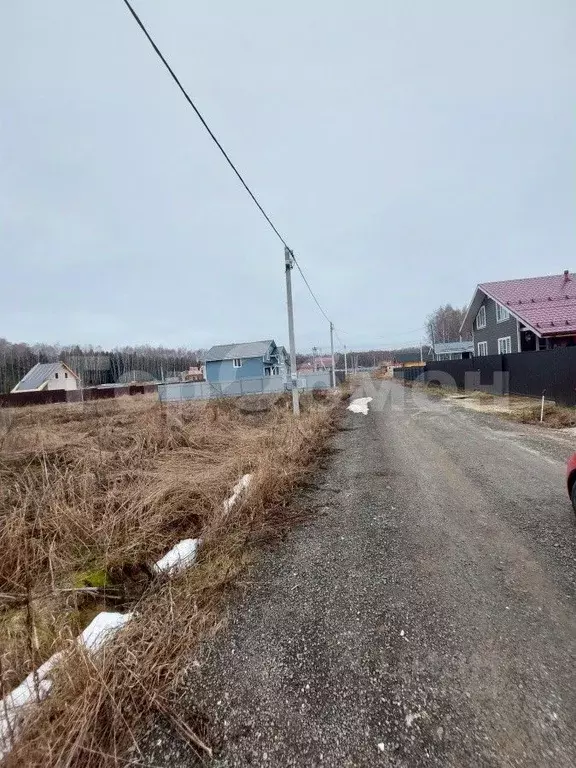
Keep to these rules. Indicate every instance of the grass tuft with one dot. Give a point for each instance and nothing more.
(555, 416)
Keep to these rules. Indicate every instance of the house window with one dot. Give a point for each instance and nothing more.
(482, 347)
(65, 375)
(502, 313)
(505, 346)
(481, 318)
(237, 362)
(55, 375)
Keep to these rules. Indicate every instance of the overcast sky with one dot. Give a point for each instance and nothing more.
(406, 150)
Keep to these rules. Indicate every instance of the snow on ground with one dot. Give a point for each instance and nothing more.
(179, 557)
(360, 405)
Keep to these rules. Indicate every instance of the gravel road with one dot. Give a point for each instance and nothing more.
(423, 617)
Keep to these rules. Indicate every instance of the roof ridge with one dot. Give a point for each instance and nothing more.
(572, 275)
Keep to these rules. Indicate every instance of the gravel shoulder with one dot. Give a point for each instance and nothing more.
(423, 617)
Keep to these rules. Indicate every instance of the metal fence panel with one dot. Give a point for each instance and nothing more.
(551, 372)
(315, 380)
(203, 390)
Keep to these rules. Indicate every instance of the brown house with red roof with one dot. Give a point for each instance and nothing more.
(532, 313)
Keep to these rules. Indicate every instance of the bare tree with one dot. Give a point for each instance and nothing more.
(444, 324)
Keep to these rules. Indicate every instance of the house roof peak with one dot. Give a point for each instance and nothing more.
(546, 304)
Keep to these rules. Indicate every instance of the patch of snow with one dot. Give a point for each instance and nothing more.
(238, 489)
(360, 405)
(381, 747)
(37, 685)
(34, 688)
(179, 557)
(101, 627)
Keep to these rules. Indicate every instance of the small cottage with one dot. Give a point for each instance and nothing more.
(45, 376)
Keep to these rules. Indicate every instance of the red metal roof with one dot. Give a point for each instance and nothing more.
(547, 304)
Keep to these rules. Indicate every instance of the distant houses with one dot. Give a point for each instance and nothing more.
(48, 376)
(453, 350)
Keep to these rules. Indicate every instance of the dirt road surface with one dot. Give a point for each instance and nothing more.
(423, 617)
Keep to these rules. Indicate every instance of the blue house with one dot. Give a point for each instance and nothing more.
(230, 362)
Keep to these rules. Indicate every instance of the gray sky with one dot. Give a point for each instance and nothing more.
(407, 150)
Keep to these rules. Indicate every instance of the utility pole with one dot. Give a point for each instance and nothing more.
(332, 353)
(314, 350)
(289, 265)
(345, 362)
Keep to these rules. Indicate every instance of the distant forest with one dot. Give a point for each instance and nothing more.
(93, 365)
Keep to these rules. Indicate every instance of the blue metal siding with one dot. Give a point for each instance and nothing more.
(223, 370)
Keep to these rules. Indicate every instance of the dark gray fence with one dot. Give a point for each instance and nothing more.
(551, 372)
(50, 396)
(411, 373)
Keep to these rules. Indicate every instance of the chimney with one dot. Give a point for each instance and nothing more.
(567, 277)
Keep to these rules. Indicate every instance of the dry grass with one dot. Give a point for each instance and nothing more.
(555, 416)
(91, 495)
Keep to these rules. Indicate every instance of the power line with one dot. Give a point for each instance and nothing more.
(204, 123)
(310, 289)
(222, 150)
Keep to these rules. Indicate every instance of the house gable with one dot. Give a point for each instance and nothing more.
(495, 328)
(546, 305)
(46, 376)
(230, 362)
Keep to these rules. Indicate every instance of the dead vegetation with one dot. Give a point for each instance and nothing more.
(524, 410)
(90, 496)
(555, 416)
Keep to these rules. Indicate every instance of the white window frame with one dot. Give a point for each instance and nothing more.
(481, 318)
(502, 314)
(237, 362)
(482, 348)
(507, 351)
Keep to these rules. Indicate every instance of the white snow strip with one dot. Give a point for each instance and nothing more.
(37, 685)
(360, 405)
(179, 557)
(101, 628)
(238, 489)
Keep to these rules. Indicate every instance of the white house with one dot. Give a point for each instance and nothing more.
(48, 376)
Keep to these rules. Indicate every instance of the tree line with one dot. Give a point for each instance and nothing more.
(95, 365)
(144, 363)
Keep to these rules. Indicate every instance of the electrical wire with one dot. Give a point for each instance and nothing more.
(309, 288)
(222, 150)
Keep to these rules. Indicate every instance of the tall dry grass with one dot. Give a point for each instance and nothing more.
(90, 497)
